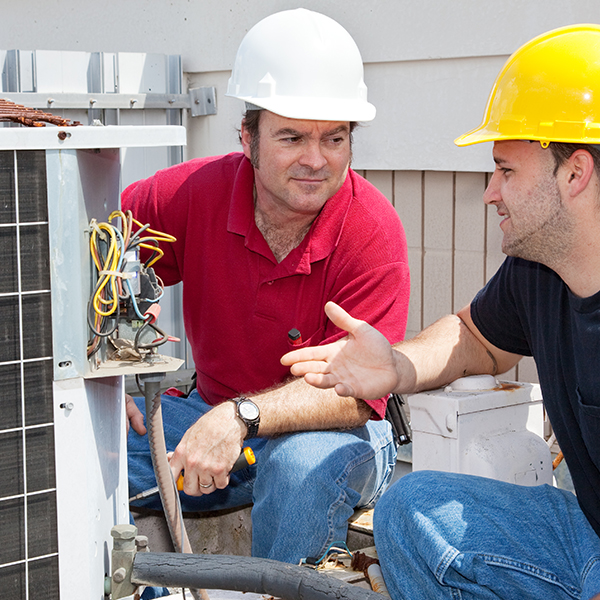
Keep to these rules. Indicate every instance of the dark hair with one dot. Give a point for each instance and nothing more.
(251, 123)
(561, 152)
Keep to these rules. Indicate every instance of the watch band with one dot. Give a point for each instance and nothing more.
(249, 413)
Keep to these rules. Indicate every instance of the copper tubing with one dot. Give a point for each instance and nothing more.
(557, 460)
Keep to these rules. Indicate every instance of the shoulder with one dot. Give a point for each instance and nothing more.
(210, 167)
(522, 276)
(372, 214)
(188, 178)
(519, 287)
(371, 203)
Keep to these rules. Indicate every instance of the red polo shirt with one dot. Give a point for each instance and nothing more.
(238, 302)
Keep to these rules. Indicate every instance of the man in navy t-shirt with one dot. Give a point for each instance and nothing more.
(446, 535)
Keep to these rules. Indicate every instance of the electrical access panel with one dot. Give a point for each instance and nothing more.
(105, 298)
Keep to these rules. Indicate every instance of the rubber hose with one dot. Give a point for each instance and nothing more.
(243, 574)
(164, 477)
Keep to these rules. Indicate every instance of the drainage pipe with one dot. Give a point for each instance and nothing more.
(243, 574)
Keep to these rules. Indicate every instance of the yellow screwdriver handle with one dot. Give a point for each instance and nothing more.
(245, 459)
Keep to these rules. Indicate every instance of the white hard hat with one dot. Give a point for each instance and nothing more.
(302, 65)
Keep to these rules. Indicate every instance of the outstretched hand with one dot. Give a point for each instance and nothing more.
(361, 365)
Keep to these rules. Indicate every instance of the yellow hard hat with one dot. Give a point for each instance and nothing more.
(548, 90)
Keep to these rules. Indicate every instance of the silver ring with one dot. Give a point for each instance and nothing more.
(205, 486)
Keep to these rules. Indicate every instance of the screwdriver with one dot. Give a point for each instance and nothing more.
(245, 459)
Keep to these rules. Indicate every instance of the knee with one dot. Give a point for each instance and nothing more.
(411, 494)
(409, 489)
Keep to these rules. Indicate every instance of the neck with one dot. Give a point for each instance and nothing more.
(581, 269)
(281, 237)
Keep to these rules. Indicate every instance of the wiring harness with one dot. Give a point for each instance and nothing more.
(123, 307)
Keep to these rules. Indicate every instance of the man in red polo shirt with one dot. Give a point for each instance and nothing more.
(264, 239)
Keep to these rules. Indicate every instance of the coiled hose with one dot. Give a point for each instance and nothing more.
(164, 478)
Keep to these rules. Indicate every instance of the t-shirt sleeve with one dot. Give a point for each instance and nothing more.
(501, 308)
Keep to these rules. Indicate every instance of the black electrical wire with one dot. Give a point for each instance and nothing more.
(101, 332)
(134, 241)
(154, 252)
(136, 344)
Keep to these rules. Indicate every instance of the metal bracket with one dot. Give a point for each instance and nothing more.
(203, 101)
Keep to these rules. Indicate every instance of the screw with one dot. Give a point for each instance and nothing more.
(141, 543)
(123, 532)
(62, 135)
(119, 575)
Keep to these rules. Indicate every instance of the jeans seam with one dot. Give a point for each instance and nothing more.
(509, 563)
(588, 567)
(447, 558)
(365, 457)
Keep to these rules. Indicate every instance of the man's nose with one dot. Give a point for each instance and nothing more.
(492, 191)
(313, 157)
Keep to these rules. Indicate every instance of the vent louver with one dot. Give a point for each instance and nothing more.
(28, 515)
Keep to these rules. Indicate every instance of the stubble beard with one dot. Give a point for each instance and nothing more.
(549, 241)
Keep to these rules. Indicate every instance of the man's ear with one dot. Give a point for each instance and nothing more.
(245, 138)
(578, 171)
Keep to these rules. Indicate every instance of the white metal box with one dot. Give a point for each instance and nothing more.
(480, 426)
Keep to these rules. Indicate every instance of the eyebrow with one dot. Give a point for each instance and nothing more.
(295, 133)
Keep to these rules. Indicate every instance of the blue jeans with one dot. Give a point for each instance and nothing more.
(445, 535)
(303, 487)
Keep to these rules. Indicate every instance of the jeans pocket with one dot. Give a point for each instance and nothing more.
(589, 421)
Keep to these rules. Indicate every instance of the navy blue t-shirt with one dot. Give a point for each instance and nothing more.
(526, 308)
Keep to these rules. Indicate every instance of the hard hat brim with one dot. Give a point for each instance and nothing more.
(315, 109)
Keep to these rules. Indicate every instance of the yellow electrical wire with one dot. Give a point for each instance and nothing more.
(159, 236)
(106, 272)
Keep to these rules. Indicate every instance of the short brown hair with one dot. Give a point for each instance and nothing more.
(561, 152)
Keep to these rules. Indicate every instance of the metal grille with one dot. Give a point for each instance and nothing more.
(28, 516)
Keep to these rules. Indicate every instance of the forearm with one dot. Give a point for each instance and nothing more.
(444, 351)
(297, 406)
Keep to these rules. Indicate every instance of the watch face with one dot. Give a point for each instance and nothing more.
(248, 410)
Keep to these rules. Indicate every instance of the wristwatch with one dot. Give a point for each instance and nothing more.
(249, 413)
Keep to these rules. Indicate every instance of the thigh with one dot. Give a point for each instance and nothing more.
(362, 459)
(478, 537)
(308, 485)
